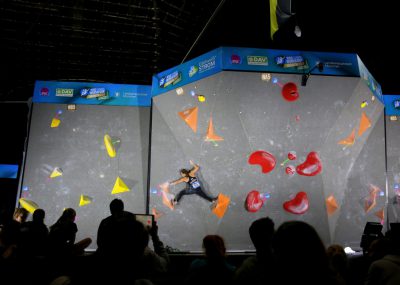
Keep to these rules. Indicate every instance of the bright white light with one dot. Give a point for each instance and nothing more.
(348, 250)
(265, 76)
(297, 31)
(179, 91)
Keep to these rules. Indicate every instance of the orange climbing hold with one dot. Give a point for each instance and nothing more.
(331, 205)
(222, 205)
(157, 214)
(380, 214)
(365, 124)
(349, 140)
(211, 136)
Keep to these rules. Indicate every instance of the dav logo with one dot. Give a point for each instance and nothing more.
(257, 60)
(396, 104)
(63, 92)
(235, 59)
(44, 91)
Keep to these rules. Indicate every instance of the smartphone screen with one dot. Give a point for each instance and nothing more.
(146, 220)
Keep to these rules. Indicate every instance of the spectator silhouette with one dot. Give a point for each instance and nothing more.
(20, 215)
(34, 236)
(11, 232)
(387, 269)
(132, 246)
(120, 237)
(338, 263)
(214, 269)
(107, 238)
(300, 255)
(258, 269)
(62, 236)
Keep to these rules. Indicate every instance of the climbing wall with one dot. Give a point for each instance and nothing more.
(83, 159)
(267, 146)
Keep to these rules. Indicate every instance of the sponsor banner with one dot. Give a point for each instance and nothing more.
(392, 105)
(264, 60)
(370, 80)
(285, 61)
(8, 171)
(91, 93)
(193, 70)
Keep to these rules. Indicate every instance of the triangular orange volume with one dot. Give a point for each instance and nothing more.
(331, 205)
(370, 201)
(365, 124)
(380, 214)
(166, 198)
(190, 117)
(211, 136)
(350, 139)
(222, 205)
(157, 214)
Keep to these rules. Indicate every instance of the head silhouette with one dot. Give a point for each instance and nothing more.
(214, 247)
(38, 216)
(261, 233)
(116, 206)
(298, 246)
(68, 214)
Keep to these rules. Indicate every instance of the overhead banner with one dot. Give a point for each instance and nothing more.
(264, 60)
(87, 93)
(193, 70)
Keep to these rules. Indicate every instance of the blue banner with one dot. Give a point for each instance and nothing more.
(374, 86)
(8, 171)
(285, 61)
(193, 70)
(392, 105)
(91, 93)
(263, 60)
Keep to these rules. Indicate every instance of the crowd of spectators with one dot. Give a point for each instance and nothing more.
(33, 253)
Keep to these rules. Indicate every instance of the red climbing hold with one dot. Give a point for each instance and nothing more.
(298, 205)
(253, 201)
(311, 167)
(289, 92)
(266, 160)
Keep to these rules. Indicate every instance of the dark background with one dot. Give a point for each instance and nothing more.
(129, 41)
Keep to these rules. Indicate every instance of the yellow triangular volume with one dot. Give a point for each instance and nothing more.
(56, 172)
(84, 200)
(119, 186)
(28, 205)
(55, 123)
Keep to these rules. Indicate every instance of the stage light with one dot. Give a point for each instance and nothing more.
(265, 76)
(71, 107)
(297, 31)
(305, 77)
(179, 91)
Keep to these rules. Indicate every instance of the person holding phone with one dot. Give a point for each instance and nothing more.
(193, 185)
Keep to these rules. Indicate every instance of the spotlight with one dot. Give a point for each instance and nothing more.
(305, 77)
